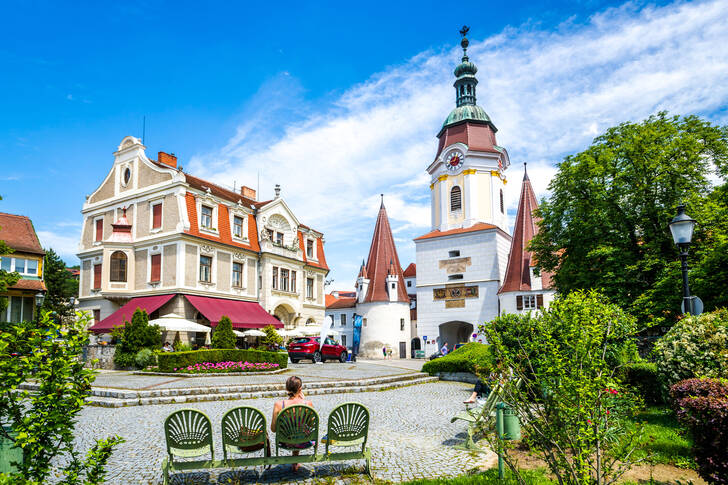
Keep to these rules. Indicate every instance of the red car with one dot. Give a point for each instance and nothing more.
(309, 348)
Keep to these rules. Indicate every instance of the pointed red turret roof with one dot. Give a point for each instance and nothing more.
(382, 256)
(363, 270)
(520, 260)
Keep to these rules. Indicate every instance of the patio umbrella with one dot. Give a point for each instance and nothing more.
(294, 332)
(238, 333)
(175, 323)
(254, 333)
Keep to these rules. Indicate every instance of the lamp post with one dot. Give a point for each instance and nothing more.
(39, 299)
(681, 227)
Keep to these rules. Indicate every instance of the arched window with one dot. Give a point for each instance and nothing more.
(118, 267)
(456, 199)
(502, 207)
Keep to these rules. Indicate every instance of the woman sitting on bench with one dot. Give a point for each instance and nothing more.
(482, 389)
(295, 396)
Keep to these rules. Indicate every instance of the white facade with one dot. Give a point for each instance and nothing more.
(343, 323)
(529, 301)
(384, 324)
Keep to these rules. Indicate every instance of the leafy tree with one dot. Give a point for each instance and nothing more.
(223, 337)
(271, 339)
(605, 223)
(572, 408)
(61, 286)
(43, 420)
(137, 335)
(6, 279)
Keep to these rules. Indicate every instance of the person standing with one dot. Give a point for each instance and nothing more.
(443, 350)
(384, 351)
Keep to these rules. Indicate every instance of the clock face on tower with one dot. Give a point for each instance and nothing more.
(454, 160)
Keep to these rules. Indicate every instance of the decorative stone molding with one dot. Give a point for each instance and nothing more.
(239, 256)
(207, 249)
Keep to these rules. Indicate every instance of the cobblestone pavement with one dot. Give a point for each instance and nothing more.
(329, 371)
(410, 437)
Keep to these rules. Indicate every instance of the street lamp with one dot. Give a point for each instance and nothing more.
(39, 299)
(681, 227)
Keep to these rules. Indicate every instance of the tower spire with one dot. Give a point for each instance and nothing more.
(465, 81)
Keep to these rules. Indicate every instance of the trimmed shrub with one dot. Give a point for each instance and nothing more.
(472, 357)
(136, 336)
(702, 406)
(642, 378)
(694, 347)
(144, 358)
(223, 336)
(174, 360)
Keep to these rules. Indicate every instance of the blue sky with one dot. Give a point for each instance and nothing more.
(336, 102)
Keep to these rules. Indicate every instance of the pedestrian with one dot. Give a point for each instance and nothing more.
(294, 388)
(443, 350)
(167, 347)
(384, 352)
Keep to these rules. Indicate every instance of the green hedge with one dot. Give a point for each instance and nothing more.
(642, 377)
(168, 361)
(467, 358)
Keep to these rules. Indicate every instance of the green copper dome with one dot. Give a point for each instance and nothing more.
(467, 112)
(465, 68)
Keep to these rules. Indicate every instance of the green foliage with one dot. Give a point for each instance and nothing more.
(560, 355)
(223, 336)
(472, 357)
(693, 347)
(702, 405)
(177, 343)
(271, 339)
(174, 360)
(642, 378)
(61, 286)
(663, 439)
(145, 358)
(136, 336)
(605, 223)
(489, 477)
(43, 420)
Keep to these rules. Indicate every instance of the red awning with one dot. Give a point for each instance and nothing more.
(148, 303)
(243, 314)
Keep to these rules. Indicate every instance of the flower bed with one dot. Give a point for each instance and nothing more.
(227, 367)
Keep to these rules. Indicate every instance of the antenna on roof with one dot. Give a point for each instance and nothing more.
(144, 128)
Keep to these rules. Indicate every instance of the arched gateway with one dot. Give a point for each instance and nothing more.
(455, 333)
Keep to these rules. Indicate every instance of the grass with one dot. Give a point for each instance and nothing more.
(488, 477)
(664, 438)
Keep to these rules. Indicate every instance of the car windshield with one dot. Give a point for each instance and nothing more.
(301, 340)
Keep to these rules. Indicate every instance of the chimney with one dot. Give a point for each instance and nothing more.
(247, 192)
(167, 159)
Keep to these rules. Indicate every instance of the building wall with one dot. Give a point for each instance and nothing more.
(347, 330)
(383, 328)
(508, 300)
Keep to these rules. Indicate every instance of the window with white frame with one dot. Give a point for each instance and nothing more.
(156, 215)
(206, 269)
(284, 279)
(20, 309)
(401, 324)
(529, 302)
(24, 266)
(155, 265)
(274, 281)
(309, 287)
(279, 238)
(238, 275)
(309, 248)
(293, 281)
(238, 226)
(99, 229)
(206, 217)
(343, 319)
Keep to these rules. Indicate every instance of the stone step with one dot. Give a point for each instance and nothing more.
(108, 401)
(244, 388)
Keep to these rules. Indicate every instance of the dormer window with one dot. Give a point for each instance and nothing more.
(238, 227)
(309, 248)
(206, 217)
(456, 199)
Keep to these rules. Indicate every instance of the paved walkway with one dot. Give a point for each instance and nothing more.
(410, 436)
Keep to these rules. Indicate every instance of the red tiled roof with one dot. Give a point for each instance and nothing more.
(18, 233)
(216, 190)
(329, 299)
(477, 136)
(321, 263)
(223, 218)
(341, 303)
(35, 285)
(147, 303)
(481, 226)
(243, 314)
(382, 255)
(520, 260)
(411, 271)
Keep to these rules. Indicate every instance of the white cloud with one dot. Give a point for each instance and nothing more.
(549, 93)
(64, 243)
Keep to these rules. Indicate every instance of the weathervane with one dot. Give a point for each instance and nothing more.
(464, 43)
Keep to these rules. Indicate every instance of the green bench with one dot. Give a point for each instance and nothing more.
(189, 437)
(478, 415)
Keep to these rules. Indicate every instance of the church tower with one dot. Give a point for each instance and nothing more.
(461, 262)
(468, 173)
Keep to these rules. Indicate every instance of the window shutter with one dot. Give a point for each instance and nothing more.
(156, 267)
(97, 276)
(99, 229)
(539, 301)
(519, 302)
(455, 199)
(156, 216)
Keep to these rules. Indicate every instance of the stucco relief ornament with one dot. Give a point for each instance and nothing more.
(239, 256)
(264, 236)
(207, 249)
